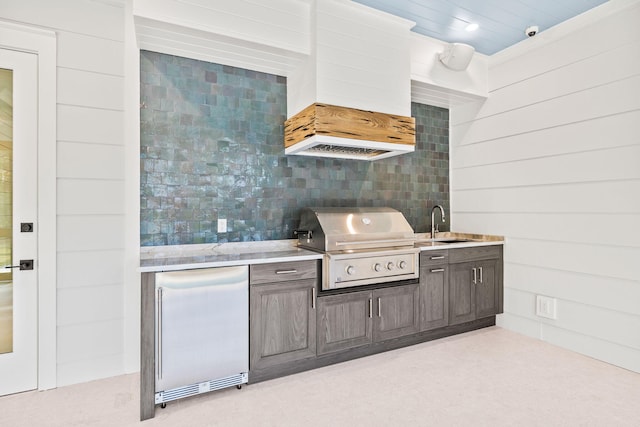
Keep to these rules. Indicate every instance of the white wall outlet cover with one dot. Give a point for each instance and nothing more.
(546, 307)
(222, 225)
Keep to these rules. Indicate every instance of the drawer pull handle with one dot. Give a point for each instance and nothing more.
(370, 308)
(437, 257)
(379, 307)
(286, 271)
(480, 268)
(437, 270)
(475, 276)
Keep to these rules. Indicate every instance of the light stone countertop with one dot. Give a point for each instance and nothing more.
(184, 257)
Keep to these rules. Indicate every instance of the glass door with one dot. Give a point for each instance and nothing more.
(18, 215)
(6, 210)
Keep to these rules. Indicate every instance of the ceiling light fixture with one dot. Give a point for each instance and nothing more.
(472, 27)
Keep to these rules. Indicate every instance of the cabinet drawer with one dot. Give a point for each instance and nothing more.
(434, 257)
(282, 271)
(475, 254)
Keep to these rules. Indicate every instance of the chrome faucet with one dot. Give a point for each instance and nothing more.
(434, 228)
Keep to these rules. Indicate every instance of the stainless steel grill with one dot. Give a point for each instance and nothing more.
(362, 246)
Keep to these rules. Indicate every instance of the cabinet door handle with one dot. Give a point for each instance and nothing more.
(480, 268)
(159, 329)
(475, 276)
(286, 271)
(437, 257)
(379, 307)
(437, 270)
(370, 308)
(313, 297)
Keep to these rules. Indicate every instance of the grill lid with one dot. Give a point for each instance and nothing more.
(342, 229)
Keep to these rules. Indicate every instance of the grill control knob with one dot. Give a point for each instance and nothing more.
(351, 270)
(390, 266)
(402, 265)
(377, 266)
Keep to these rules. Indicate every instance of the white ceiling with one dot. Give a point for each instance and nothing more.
(502, 23)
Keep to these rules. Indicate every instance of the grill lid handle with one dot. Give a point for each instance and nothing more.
(370, 242)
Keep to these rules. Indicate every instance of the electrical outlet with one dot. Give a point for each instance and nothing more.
(222, 225)
(546, 307)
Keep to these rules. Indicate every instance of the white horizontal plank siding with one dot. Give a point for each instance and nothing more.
(585, 289)
(90, 232)
(566, 168)
(89, 304)
(606, 350)
(89, 89)
(551, 161)
(621, 130)
(554, 198)
(95, 161)
(89, 350)
(596, 259)
(90, 53)
(621, 62)
(90, 180)
(280, 23)
(101, 19)
(582, 319)
(90, 197)
(88, 369)
(206, 46)
(90, 125)
(611, 98)
(89, 269)
(602, 228)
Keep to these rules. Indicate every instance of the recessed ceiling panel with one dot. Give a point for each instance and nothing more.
(501, 23)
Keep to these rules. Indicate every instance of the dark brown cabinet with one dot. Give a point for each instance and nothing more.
(356, 319)
(475, 283)
(282, 313)
(434, 290)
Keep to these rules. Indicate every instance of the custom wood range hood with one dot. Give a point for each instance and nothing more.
(323, 130)
(351, 97)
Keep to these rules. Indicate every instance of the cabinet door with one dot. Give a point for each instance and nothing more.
(434, 297)
(283, 322)
(396, 312)
(462, 295)
(486, 298)
(344, 321)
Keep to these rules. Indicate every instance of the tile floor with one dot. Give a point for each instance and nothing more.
(489, 377)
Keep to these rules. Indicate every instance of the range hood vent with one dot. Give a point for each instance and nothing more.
(323, 130)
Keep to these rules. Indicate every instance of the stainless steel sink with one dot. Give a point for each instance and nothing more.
(441, 241)
(452, 240)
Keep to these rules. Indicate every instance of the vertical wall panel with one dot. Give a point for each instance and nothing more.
(90, 158)
(552, 162)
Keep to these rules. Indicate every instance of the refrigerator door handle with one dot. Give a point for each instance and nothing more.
(159, 337)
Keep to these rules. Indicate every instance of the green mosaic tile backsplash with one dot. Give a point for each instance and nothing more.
(212, 147)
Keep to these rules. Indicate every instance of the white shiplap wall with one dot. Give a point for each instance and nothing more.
(90, 181)
(552, 162)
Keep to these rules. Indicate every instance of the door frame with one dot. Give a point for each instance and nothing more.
(41, 42)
